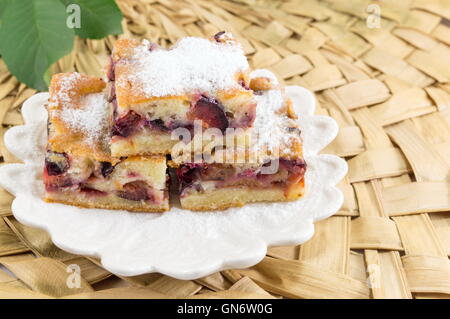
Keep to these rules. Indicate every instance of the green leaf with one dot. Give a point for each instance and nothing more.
(3, 5)
(99, 18)
(33, 36)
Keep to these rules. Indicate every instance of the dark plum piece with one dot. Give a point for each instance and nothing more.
(218, 35)
(297, 166)
(48, 127)
(152, 47)
(91, 191)
(137, 190)
(295, 130)
(106, 168)
(55, 183)
(244, 85)
(210, 112)
(248, 173)
(159, 125)
(56, 163)
(111, 72)
(127, 124)
(188, 173)
(112, 94)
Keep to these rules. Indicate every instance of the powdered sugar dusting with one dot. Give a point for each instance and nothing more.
(270, 127)
(90, 118)
(66, 84)
(88, 115)
(193, 64)
(178, 248)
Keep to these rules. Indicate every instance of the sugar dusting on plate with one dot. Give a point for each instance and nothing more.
(193, 64)
(270, 127)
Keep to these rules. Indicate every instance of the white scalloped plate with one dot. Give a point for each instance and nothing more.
(178, 243)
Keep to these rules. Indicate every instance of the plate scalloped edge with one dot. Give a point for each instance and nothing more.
(179, 243)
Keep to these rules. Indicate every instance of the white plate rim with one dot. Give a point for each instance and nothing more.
(324, 127)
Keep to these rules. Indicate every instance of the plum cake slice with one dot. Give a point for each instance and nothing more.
(155, 91)
(268, 167)
(79, 169)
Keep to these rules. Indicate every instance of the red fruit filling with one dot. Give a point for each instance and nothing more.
(127, 124)
(188, 173)
(56, 163)
(54, 183)
(205, 109)
(106, 168)
(159, 125)
(289, 172)
(152, 46)
(137, 190)
(110, 72)
(57, 178)
(91, 191)
(218, 35)
(210, 112)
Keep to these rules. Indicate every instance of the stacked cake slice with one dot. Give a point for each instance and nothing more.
(158, 91)
(79, 169)
(109, 144)
(267, 165)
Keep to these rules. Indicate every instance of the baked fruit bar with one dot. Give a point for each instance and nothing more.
(155, 91)
(268, 167)
(79, 169)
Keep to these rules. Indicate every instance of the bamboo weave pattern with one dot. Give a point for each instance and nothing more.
(387, 84)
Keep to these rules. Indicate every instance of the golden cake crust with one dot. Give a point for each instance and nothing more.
(223, 198)
(67, 91)
(125, 205)
(128, 93)
(123, 48)
(127, 96)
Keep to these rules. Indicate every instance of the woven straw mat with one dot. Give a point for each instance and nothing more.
(384, 79)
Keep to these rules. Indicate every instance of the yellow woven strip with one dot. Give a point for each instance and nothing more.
(5, 202)
(329, 247)
(377, 163)
(303, 280)
(9, 243)
(422, 197)
(375, 233)
(215, 282)
(284, 252)
(441, 223)
(37, 240)
(403, 105)
(411, 228)
(46, 276)
(419, 153)
(428, 273)
(387, 88)
(387, 278)
(247, 285)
